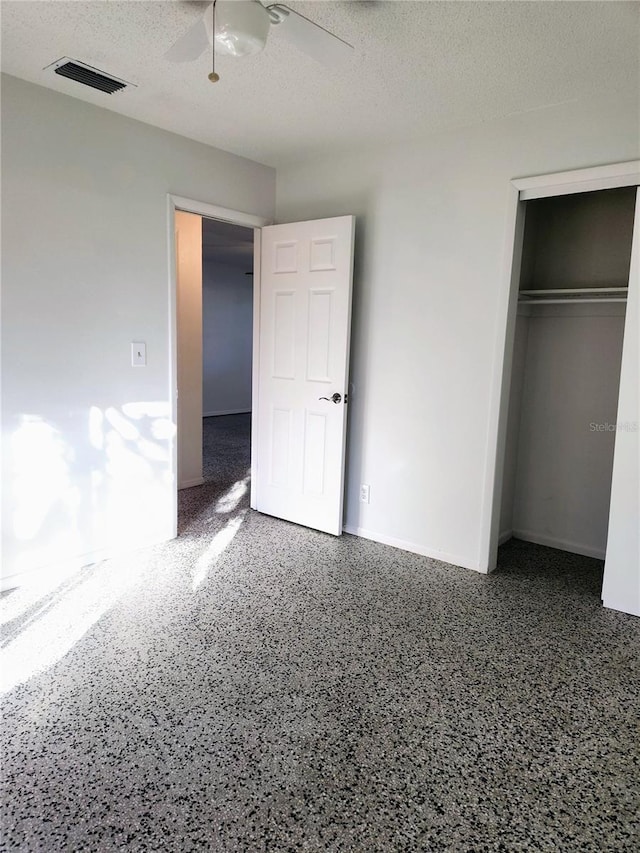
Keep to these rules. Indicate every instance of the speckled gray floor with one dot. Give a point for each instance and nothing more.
(254, 686)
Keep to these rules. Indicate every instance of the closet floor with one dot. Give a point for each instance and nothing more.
(543, 567)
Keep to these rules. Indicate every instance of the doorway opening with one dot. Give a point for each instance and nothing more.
(227, 358)
(214, 306)
(217, 451)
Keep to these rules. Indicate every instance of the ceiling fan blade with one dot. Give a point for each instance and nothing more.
(309, 37)
(192, 44)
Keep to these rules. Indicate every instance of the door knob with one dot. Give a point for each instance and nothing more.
(334, 398)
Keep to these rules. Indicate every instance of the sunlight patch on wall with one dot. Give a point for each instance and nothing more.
(40, 461)
(134, 463)
(96, 483)
(45, 500)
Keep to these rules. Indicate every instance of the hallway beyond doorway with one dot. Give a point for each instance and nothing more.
(226, 461)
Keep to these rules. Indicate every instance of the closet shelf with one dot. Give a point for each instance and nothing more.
(565, 295)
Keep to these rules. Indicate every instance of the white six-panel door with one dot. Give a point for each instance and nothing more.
(305, 316)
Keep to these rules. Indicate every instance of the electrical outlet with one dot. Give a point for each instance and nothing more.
(365, 492)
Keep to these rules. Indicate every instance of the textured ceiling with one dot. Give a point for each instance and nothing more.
(418, 67)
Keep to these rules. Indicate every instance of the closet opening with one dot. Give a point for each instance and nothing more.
(562, 418)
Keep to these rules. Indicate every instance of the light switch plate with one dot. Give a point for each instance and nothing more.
(138, 354)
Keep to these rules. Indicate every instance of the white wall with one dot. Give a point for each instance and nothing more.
(565, 451)
(227, 329)
(429, 262)
(189, 347)
(581, 240)
(86, 440)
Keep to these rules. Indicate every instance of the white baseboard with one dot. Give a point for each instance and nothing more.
(189, 484)
(414, 548)
(505, 536)
(560, 544)
(226, 412)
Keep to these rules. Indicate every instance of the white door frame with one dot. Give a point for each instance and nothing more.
(520, 190)
(235, 217)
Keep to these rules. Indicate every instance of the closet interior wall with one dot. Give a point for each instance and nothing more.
(566, 370)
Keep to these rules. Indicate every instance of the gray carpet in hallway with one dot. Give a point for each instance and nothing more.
(226, 462)
(255, 686)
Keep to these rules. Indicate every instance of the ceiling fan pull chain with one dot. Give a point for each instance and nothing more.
(213, 76)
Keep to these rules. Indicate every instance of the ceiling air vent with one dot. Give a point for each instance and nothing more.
(88, 76)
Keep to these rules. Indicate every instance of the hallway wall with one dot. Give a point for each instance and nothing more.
(227, 337)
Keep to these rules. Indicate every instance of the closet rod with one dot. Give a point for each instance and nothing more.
(562, 291)
(579, 300)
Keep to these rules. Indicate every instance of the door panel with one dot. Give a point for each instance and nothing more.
(305, 318)
(284, 321)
